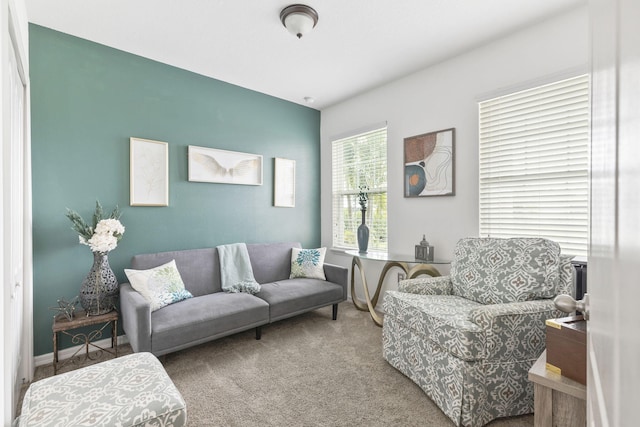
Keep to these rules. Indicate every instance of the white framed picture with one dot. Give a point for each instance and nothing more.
(284, 183)
(148, 172)
(225, 167)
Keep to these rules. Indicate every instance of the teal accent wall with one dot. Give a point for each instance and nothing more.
(88, 99)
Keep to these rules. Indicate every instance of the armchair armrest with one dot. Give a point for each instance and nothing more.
(514, 331)
(136, 318)
(338, 275)
(440, 285)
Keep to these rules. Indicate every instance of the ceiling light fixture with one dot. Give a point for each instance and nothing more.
(299, 19)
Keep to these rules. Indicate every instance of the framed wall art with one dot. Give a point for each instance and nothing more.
(222, 166)
(148, 172)
(429, 164)
(284, 183)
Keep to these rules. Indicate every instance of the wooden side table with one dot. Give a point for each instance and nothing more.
(558, 400)
(62, 325)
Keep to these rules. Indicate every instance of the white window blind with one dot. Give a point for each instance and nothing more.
(534, 164)
(360, 160)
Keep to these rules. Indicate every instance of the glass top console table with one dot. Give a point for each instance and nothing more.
(401, 261)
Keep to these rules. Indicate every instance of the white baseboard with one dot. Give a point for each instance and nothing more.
(45, 359)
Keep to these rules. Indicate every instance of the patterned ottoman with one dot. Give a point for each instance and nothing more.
(132, 390)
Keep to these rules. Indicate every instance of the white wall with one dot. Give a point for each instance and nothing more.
(440, 97)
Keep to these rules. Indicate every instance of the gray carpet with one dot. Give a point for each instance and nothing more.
(305, 371)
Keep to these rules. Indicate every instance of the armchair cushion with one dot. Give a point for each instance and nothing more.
(495, 271)
(443, 319)
(427, 285)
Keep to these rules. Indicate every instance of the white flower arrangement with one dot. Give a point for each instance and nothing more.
(105, 233)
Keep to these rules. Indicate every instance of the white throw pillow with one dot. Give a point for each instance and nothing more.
(307, 263)
(160, 286)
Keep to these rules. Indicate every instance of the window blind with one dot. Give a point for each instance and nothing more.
(534, 164)
(359, 160)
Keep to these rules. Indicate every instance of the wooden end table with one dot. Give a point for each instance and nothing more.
(558, 401)
(62, 325)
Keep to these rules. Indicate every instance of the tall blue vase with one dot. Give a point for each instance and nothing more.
(363, 234)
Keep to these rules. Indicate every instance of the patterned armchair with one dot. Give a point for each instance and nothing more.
(469, 339)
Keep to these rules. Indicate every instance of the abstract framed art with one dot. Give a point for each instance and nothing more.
(429, 164)
(225, 167)
(284, 183)
(148, 172)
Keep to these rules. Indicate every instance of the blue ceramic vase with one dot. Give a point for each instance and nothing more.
(363, 234)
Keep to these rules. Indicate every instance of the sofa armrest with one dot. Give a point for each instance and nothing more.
(440, 285)
(136, 318)
(515, 331)
(338, 275)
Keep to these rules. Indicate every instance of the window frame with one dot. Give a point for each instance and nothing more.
(345, 211)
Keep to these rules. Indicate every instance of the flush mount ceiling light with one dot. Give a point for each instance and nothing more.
(299, 19)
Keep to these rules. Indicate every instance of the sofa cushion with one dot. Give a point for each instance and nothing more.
(199, 268)
(202, 319)
(271, 261)
(160, 286)
(443, 319)
(497, 271)
(307, 263)
(287, 298)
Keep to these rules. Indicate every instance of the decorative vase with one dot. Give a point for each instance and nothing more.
(99, 290)
(363, 234)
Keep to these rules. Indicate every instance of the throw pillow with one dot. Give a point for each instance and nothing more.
(307, 263)
(160, 286)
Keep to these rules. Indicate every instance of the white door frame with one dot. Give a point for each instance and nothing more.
(614, 253)
(14, 33)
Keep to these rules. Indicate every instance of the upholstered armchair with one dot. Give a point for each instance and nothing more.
(469, 339)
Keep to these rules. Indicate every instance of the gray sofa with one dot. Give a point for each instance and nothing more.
(212, 313)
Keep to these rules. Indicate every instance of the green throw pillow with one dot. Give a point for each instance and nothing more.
(307, 263)
(160, 286)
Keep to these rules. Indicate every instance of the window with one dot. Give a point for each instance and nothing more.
(534, 164)
(360, 160)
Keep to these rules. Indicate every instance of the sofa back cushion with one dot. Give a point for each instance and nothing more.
(199, 268)
(498, 271)
(271, 261)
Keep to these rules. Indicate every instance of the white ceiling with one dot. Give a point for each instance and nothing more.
(357, 44)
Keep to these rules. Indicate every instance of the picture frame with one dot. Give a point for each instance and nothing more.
(429, 164)
(148, 172)
(224, 167)
(284, 183)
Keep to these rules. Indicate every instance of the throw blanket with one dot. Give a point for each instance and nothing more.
(236, 273)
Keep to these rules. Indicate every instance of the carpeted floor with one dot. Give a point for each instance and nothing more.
(305, 371)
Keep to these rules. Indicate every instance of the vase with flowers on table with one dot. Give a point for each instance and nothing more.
(99, 289)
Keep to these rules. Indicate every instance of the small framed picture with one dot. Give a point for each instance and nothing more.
(429, 164)
(284, 183)
(148, 172)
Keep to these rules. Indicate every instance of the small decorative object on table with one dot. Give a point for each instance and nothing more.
(99, 290)
(363, 230)
(424, 251)
(68, 308)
